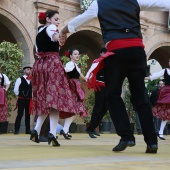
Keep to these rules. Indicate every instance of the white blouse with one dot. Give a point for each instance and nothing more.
(159, 74)
(6, 79)
(51, 30)
(70, 66)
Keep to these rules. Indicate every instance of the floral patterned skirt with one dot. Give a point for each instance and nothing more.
(78, 97)
(4, 111)
(162, 109)
(51, 87)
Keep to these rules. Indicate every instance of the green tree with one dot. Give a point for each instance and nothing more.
(127, 101)
(10, 61)
(151, 85)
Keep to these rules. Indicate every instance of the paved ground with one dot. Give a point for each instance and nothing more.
(17, 152)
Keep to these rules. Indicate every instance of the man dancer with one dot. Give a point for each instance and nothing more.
(121, 31)
(23, 89)
(100, 106)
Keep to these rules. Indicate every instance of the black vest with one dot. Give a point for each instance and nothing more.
(73, 74)
(25, 89)
(44, 43)
(2, 80)
(166, 77)
(119, 19)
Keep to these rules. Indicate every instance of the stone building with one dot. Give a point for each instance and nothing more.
(19, 23)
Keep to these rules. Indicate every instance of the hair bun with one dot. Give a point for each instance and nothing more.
(42, 15)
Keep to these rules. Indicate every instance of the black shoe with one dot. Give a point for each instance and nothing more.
(42, 139)
(52, 139)
(64, 134)
(91, 133)
(152, 148)
(34, 136)
(16, 132)
(123, 145)
(69, 135)
(162, 138)
(97, 134)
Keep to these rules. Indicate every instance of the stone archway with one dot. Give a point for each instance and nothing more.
(87, 41)
(19, 33)
(162, 55)
(158, 47)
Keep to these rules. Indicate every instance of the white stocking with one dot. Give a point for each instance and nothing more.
(163, 123)
(40, 121)
(67, 123)
(54, 118)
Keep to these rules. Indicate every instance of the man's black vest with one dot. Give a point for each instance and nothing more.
(25, 89)
(119, 19)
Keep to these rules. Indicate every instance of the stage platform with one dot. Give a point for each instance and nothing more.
(17, 152)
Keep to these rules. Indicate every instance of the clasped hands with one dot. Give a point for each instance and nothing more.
(62, 39)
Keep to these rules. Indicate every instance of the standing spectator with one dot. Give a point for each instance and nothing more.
(23, 89)
(4, 85)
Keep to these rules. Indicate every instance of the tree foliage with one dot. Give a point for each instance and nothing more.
(10, 61)
(151, 85)
(127, 101)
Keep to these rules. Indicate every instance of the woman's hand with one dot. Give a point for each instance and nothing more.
(62, 39)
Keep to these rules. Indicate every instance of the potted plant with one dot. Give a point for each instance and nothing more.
(105, 125)
(73, 127)
(89, 103)
(10, 60)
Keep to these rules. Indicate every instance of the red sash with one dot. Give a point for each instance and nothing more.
(97, 65)
(2, 97)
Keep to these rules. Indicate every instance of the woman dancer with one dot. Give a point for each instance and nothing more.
(4, 85)
(51, 89)
(74, 72)
(162, 108)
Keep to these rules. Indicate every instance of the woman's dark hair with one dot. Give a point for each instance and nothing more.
(49, 14)
(71, 51)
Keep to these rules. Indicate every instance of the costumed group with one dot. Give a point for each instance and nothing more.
(57, 92)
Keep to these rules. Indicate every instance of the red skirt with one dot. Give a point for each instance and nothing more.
(78, 96)
(162, 109)
(51, 87)
(4, 110)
